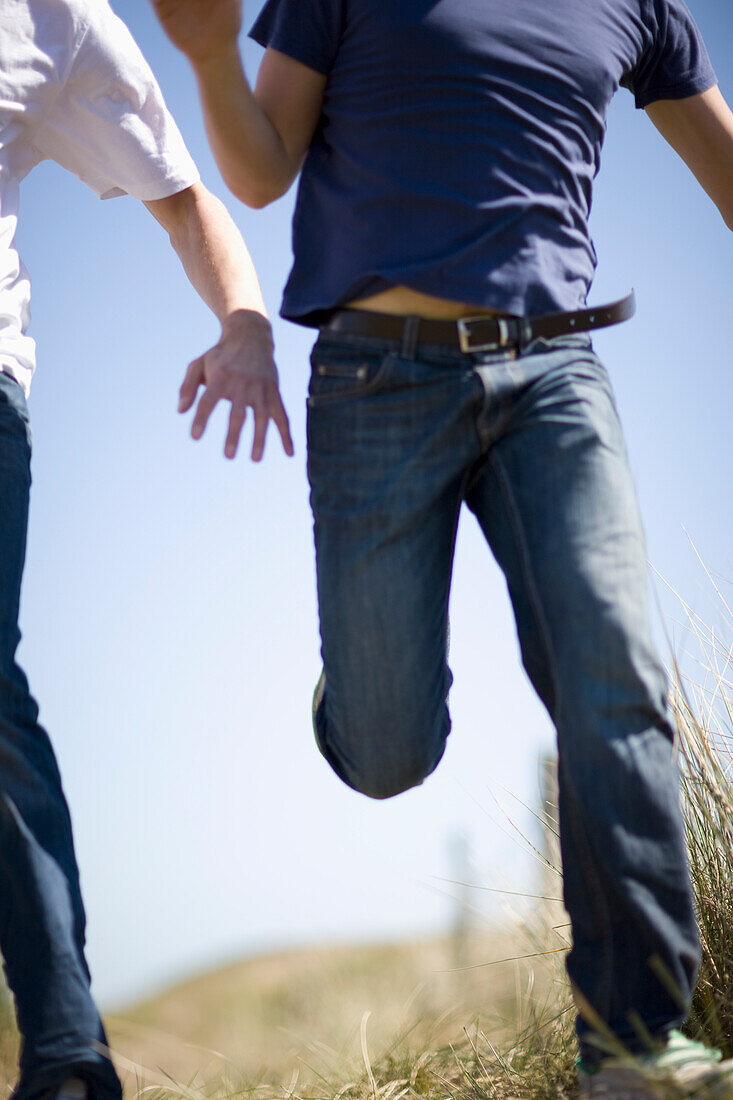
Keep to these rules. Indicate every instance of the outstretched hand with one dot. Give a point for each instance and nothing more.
(239, 369)
(200, 28)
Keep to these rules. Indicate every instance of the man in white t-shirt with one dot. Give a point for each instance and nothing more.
(74, 88)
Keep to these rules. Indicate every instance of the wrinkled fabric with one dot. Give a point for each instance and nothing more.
(460, 138)
(532, 445)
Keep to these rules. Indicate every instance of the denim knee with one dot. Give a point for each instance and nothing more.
(384, 779)
(385, 758)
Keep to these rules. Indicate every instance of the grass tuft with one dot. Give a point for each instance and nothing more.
(704, 717)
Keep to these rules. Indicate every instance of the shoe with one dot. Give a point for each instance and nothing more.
(683, 1068)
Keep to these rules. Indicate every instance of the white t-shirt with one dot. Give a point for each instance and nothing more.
(74, 88)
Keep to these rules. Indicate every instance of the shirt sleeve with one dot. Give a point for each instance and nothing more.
(307, 30)
(674, 61)
(109, 124)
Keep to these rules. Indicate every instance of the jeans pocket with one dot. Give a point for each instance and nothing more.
(338, 374)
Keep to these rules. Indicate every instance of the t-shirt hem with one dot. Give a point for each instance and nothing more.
(313, 314)
(677, 91)
(291, 48)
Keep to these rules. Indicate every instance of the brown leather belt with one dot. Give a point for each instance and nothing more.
(473, 334)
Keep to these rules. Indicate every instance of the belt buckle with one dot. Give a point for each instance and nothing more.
(464, 334)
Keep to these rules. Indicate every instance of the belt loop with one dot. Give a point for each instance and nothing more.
(524, 333)
(409, 337)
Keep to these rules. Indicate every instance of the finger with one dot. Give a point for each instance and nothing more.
(203, 412)
(280, 417)
(262, 420)
(237, 418)
(189, 388)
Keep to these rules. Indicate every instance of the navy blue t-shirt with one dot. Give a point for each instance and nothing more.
(460, 138)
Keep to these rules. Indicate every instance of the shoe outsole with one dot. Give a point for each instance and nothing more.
(629, 1083)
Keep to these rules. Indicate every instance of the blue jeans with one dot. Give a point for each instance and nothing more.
(531, 443)
(41, 913)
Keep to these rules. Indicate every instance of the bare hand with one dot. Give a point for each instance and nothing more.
(239, 369)
(200, 28)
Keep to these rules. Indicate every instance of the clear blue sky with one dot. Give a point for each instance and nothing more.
(169, 612)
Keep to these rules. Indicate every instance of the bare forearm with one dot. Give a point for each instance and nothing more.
(240, 368)
(251, 155)
(214, 256)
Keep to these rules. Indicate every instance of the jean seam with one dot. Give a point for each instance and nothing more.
(459, 504)
(586, 859)
(524, 560)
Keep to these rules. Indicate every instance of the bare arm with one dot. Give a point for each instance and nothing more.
(259, 138)
(240, 368)
(700, 129)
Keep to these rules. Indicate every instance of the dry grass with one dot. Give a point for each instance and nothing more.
(300, 1013)
(377, 1023)
(404, 1021)
(8, 1043)
(332, 1021)
(704, 714)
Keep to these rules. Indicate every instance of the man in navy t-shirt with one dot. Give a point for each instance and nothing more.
(448, 150)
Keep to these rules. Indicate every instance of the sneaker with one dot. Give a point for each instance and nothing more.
(683, 1068)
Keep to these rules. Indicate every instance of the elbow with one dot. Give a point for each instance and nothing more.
(256, 195)
(258, 191)
(255, 199)
(254, 202)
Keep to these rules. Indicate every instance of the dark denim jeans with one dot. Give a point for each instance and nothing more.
(531, 442)
(41, 912)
